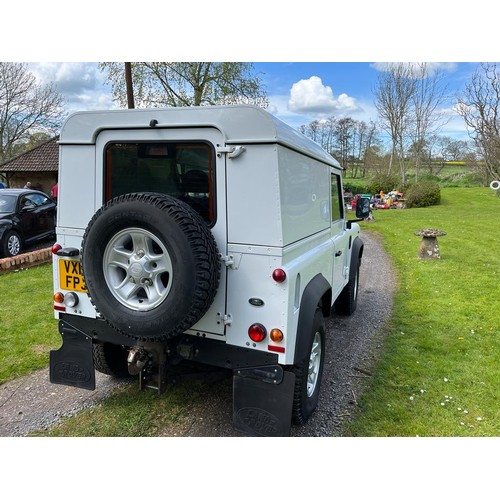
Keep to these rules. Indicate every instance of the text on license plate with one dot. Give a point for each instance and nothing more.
(70, 276)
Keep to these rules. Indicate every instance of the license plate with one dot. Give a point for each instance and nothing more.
(71, 276)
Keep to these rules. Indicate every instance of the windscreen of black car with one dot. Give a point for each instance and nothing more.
(7, 203)
(183, 170)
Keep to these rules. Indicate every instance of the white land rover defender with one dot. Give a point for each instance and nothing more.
(214, 236)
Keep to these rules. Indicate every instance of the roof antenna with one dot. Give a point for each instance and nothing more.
(153, 123)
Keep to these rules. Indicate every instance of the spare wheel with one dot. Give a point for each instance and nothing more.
(150, 264)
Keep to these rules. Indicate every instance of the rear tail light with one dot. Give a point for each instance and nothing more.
(56, 248)
(59, 302)
(257, 332)
(279, 275)
(276, 335)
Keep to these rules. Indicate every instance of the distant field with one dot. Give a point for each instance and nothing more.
(453, 174)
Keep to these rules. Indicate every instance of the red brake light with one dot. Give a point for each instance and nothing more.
(257, 332)
(279, 275)
(56, 248)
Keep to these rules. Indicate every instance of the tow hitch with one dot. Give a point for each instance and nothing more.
(149, 362)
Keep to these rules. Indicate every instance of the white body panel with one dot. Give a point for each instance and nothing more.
(272, 202)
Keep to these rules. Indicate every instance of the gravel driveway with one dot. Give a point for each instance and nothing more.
(353, 345)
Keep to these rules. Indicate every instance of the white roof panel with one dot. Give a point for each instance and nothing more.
(239, 124)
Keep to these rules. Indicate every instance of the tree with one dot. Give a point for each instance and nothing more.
(479, 106)
(158, 84)
(393, 94)
(345, 139)
(429, 94)
(313, 130)
(344, 133)
(365, 137)
(35, 139)
(26, 107)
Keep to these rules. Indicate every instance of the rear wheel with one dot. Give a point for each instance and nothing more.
(111, 359)
(309, 372)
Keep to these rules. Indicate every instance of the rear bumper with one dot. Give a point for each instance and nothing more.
(262, 390)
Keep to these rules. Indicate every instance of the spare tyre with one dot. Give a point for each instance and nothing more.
(150, 264)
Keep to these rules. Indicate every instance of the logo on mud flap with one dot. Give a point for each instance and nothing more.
(72, 371)
(259, 421)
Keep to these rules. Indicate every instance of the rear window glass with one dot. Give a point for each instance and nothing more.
(180, 169)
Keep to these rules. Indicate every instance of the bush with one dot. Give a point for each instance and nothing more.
(385, 183)
(423, 194)
(356, 188)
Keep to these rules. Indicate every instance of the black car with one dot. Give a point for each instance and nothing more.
(26, 216)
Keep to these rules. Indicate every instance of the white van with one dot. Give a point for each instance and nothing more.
(207, 235)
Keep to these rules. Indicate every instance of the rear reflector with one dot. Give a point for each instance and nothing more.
(275, 348)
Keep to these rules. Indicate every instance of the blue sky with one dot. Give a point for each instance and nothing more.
(299, 92)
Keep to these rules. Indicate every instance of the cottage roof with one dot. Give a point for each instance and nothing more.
(43, 158)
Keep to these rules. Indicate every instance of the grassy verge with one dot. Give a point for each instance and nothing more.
(439, 372)
(27, 325)
(130, 412)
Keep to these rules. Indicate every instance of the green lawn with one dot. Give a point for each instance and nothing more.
(440, 369)
(27, 326)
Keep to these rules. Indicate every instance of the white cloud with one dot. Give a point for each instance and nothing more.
(431, 67)
(80, 83)
(313, 97)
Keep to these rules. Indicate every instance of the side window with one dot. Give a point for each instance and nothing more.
(184, 170)
(337, 199)
(37, 199)
(28, 202)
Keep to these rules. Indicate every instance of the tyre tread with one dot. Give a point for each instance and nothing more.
(203, 246)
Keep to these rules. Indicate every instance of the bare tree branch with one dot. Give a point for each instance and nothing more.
(479, 106)
(25, 107)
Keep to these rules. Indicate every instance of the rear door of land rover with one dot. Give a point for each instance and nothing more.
(182, 163)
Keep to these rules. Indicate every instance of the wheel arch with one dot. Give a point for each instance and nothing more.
(6, 226)
(356, 255)
(317, 293)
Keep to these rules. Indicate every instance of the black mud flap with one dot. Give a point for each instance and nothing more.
(263, 400)
(73, 363)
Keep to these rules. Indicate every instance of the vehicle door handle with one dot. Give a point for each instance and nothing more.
(338, 253)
